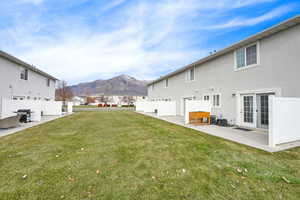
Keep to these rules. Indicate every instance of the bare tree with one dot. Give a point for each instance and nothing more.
(63, 92)
(90, 100)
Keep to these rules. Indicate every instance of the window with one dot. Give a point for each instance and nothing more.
(251, 55)
(246, 56)
(240, 58)
(190, 74)
(216, 100)
(48, 82)
(167, 83)
(24, 74)
(18, 97)
(206, 97)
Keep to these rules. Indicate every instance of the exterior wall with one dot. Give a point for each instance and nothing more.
(278, 69)
(12, 85)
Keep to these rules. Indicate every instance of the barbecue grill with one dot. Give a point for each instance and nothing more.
(25, 115)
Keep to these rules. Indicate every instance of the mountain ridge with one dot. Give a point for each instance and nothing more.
(122, 85)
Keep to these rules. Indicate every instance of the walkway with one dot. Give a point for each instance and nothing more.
(23, 126)
(256, 139)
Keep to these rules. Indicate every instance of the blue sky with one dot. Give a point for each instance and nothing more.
(84, 40)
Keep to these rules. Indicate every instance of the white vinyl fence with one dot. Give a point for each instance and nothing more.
(166, 108)
(9, 107)
(140, 106)
(151, 106)
(163, 108)
(196, 106)
(147, 106)
(52, 108)
(70, 107)
(284, 123)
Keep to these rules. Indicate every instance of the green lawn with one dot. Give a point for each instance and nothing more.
(85, 106)
(124, 155)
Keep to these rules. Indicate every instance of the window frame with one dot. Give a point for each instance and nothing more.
(24, 74)
(245, 52)
(213, 100)
(16, 98)
(166, 83)
(188, 75)
(48, 82)
(206, 95)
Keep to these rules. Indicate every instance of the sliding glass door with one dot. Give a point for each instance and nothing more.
(248, 110)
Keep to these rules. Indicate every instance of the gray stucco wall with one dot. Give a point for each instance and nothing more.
(34, 87)
(279, 69)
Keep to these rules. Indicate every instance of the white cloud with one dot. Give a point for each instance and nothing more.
(36, 2)
(243, 3)
(113, 3)
(104, 54)
(239, 21)
(144, 39)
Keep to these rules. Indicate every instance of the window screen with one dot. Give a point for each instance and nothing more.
(251, 53)
(24, 74)
(206, 98)
(240, 58)
(192, 74)
(216, 100)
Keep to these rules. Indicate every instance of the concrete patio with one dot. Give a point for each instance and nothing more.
(255, 138)
(23, 126)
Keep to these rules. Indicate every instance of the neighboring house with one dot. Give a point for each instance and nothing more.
(77, 101)
(239, 79)
(20, 81)
(130, 100)
(119, 100)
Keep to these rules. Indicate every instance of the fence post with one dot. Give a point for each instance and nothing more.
(272, 113)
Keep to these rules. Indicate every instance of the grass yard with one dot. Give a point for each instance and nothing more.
(85, 106)
(124, 155)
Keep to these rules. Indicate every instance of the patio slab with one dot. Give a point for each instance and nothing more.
(23, 126)
(255, 138)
